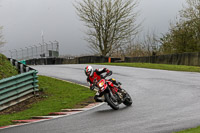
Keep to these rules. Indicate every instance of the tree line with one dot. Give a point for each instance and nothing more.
(184, 35)
(112, 29)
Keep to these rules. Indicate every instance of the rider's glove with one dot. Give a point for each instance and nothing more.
(108, 74)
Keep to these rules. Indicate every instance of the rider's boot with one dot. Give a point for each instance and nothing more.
(98, 98)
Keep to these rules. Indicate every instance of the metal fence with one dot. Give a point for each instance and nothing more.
(50, 49)
(17, 88)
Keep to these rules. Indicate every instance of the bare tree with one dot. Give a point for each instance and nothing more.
(109, 23)
(151, 43)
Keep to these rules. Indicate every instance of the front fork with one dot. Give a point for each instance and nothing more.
(116, 95)
(108, 90)
(120, 93)
(112, 96)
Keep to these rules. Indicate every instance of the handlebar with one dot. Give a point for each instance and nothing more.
(108, 74)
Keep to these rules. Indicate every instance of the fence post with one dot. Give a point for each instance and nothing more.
(109, 60)
(21, 68)
(35, 82)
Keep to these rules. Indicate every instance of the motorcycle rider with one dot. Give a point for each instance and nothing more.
(93, 75)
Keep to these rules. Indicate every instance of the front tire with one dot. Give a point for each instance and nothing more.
(128, 100)
(113, 104)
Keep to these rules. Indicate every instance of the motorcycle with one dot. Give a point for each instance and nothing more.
(113, 95)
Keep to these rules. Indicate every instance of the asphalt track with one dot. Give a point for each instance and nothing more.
(163, 102)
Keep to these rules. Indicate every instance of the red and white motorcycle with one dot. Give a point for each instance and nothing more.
(113, 94)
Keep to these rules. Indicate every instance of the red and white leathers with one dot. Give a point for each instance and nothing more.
(96, 75)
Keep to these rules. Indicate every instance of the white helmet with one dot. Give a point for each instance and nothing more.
(89, 71)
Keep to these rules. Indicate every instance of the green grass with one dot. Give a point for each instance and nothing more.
(157, 66)
(58, 95)
(6, 68)
(192, 130)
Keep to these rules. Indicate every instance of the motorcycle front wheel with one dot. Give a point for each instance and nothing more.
(111, 102)
(128, 100)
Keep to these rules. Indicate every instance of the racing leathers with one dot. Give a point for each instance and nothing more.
(97, 76)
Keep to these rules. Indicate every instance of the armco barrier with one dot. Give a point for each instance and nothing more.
(17, 88)
(20, 66)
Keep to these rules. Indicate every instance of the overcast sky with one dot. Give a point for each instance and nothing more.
(24, 20)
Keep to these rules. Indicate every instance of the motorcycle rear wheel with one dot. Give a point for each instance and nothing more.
(114, 105)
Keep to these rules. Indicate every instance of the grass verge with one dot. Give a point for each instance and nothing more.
(192, 130)
(6, 68)
(157, 66)
(57, 95)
